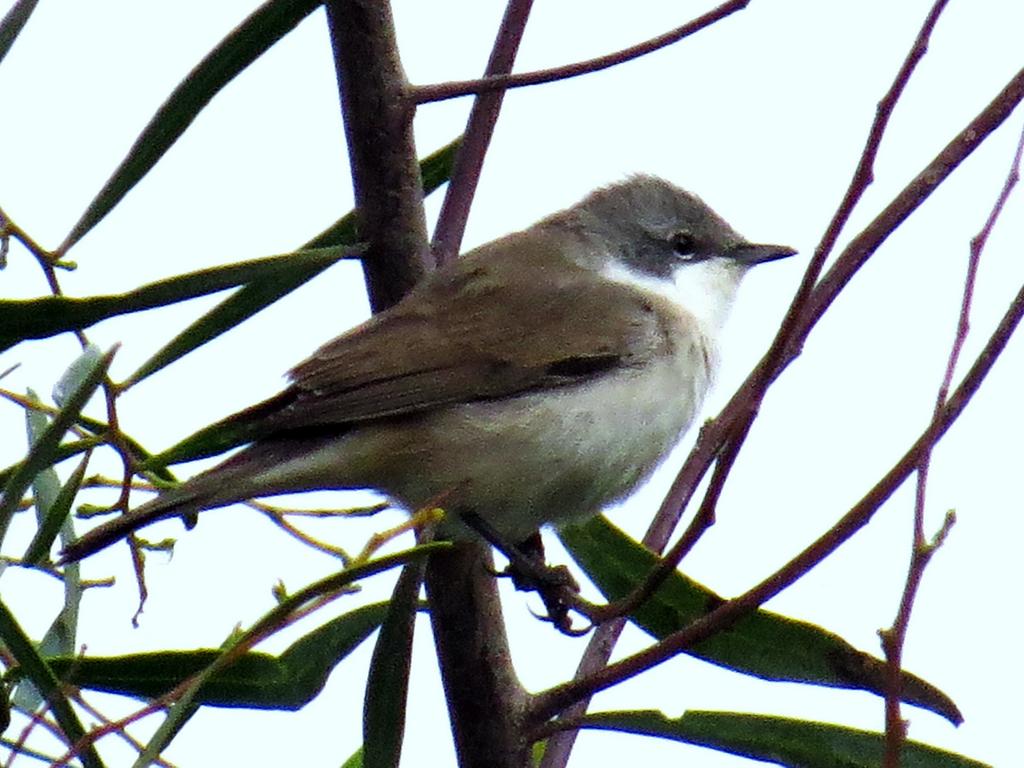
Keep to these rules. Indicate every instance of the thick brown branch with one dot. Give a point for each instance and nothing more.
(485, 699)
(382, 153)
(486, 702)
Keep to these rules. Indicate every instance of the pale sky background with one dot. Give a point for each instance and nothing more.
(764, 116)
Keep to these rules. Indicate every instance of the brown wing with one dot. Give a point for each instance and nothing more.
(481, 329)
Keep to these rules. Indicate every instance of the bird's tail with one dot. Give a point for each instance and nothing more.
(185, 500)
(247, 474)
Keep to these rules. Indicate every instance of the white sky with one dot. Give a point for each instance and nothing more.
(764, 116)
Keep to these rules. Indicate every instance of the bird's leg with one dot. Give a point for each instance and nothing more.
(529, 572)
(527, 566)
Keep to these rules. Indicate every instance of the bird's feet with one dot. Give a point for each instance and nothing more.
(529, 572)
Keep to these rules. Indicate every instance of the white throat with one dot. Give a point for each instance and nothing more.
(704, 290)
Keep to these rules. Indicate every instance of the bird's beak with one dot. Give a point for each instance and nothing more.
(753, 253)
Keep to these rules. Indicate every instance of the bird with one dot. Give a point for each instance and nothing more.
(534, 381)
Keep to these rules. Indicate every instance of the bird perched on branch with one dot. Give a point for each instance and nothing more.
(535, 380)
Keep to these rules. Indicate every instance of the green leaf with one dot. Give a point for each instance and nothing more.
(75, 373)
(242, 46)
(46, 484)
(55, 518)
(256, 680)
(208, 441)
(792, 743)
(50, 315)
(387, 684)
(188, 699)
(355, 760)
(436, 168)
(224, 435)
(763, 644)
(75, 447)
(32, 666)
(52, 500)
(53, 505)
(52, 508)
(42, 453)
(13, 23)
(259, 294)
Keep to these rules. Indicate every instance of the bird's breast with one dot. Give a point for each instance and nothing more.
(551, 456)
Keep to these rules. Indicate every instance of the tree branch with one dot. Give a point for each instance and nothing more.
(451, 224)
(382, 152)
(711, 444)
(744, 403)
(893, 639)
(555, 700)
(443, 91)
(714, 436)
(485, 699)
(486, 703)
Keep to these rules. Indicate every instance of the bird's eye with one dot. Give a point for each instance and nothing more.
(683, 244)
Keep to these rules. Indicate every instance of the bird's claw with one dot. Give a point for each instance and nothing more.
(556, 587)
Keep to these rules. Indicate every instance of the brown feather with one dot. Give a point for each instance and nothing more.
(541, 332)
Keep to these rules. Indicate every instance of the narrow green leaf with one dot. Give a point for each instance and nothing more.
(185, 706)
(49, 315)
(763, 644)
(208, 441)
(32, 666)
(387, 684)
(64, 451)
(75, 447)
(436, 168)
(242, 46)
(52, 503)
(241, 305)
(55, 518)
(224, 435)
(42, 453)
(13, 23)
(75, 373)
(46, 484)
(256, 680)
(792, 743)
(355, 760)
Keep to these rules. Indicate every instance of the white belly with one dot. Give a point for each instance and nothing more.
(539, 458)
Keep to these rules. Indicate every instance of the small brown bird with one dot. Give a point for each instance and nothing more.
(536, 380)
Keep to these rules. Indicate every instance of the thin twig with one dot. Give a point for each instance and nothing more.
(137, 745)
(47, 259)
(422, 94)
(557, 699)
(894, 638)
(451, 223)
(798, 322)
(289, 611)
(301, 536)
(730, 428)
